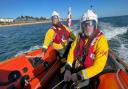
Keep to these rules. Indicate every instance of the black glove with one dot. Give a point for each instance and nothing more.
(74, 77)
(67, 75)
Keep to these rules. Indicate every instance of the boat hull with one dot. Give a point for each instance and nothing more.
(15, 71)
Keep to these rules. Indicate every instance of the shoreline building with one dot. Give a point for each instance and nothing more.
(9, 20)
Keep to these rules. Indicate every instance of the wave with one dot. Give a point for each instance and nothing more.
(122, 50)
(26, 51)
(110, 31)
(116, 34)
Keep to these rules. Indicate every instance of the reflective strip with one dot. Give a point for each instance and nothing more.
(69, 64)
(92, 56)
(84, 73)
(44, 46)
(53, 27)
(95, 39)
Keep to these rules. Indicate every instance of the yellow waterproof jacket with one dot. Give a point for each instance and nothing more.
(101, 54)
(50, 36)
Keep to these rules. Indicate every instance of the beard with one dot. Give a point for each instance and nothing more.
(87, 34)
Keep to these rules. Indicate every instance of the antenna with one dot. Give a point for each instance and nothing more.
(91, 6)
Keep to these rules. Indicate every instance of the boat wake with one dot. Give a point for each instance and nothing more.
(110, 31)
(118, 38)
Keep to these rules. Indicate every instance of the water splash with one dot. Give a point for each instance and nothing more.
(26, 51)
(110, 31)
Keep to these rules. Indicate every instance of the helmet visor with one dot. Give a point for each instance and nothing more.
(88, 23)
(54, 17)
(85, 26)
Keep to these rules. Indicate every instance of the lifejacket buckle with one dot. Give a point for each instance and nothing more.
(77, 64)
(92, 56)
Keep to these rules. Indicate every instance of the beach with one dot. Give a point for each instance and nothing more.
(25, 23)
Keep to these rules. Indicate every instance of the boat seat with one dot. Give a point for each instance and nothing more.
(108, 81)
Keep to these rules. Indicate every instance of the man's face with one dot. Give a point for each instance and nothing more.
(55, 20)
(87, 28)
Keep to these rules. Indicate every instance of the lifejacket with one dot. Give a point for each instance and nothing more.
(60, 35)
(84, 53)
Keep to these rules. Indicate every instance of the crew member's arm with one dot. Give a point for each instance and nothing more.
(48, 39)
(72, 36)
(101, 50)
(67, 74)
(70, 57)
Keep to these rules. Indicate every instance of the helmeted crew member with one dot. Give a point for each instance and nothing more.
(89, 51)
(58, 35)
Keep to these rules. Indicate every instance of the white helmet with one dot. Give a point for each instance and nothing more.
(90, 15)
(54, 13)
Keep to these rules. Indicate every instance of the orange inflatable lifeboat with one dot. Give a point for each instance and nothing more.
(116, 73)
(16, 72)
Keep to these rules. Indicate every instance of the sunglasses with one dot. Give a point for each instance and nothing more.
(54, 17)
(87, 23)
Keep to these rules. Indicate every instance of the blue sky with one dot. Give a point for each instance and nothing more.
(37, 8)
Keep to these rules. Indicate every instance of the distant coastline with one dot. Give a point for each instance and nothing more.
(25, 23)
